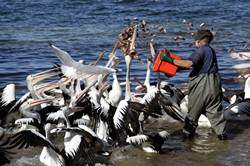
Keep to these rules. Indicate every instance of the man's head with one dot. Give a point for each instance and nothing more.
(202, 37)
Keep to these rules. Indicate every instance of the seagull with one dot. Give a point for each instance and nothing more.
(73, 69)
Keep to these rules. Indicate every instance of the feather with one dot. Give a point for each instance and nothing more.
(149, 96)
(87, 129)
(63, 56)
(8, 94)
(138, 139)
(73, 146)
(24, 121)
(26, 138)
(5, 153)
(120, 113)
(55, 116)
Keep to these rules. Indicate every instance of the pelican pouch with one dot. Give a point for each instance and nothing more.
(167, 68)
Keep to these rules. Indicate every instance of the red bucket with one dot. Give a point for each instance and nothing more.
(163, 66)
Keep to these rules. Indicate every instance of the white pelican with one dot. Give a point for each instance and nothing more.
(84, 143)
(240, 110)
(242, 68)
(240, 55)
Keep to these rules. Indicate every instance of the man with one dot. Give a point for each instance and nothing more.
(205, 95)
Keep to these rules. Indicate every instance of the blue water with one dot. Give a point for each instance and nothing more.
(85, 28)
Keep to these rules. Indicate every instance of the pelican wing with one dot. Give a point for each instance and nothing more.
(149, 96)
(63, 56)
(88, 130)
(5, 153)
(137, 140)
(26, 138)
(81, 130)
(19, 102)
(77, 147)
(55, 116)
(174, 113)
(120, 113)
(8, 94)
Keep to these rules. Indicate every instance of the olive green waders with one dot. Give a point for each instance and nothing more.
(205, 97)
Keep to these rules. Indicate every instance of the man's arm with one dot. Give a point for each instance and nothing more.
(187, 64)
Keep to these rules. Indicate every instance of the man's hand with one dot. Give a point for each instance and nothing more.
(165, 57)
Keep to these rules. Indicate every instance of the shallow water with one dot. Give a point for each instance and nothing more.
(85, 28)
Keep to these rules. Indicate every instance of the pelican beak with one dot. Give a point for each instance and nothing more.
(52, 85)
(37, 102)
(54, 70)
(43, 75)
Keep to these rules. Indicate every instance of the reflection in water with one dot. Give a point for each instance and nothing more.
(202, 143)
(204, 149)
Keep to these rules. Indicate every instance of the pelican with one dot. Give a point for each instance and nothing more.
(115, 94)
(74, 145)
(9, 107)
(8, 98)
(242, 68)
(154, 140)
(50, 154)
(202, 121)
(26, 107)
(84, 141)
(33, 80)
(240, 55)
(240, 110)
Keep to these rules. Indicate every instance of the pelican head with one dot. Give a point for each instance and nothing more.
(28, 105)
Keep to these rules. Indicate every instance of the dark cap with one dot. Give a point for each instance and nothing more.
(202, 34)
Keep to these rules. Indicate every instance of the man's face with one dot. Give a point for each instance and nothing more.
(197, 43)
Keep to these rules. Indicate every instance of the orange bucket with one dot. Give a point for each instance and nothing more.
(163, 66)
